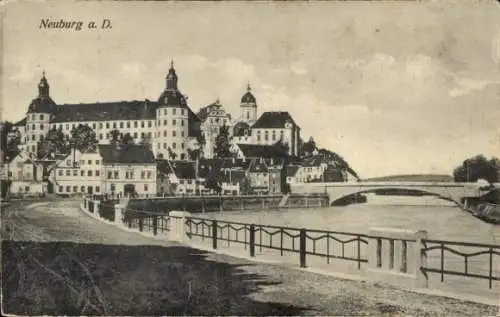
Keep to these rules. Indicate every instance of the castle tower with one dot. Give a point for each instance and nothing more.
(40, 112)
(248, 106)
(172, 124)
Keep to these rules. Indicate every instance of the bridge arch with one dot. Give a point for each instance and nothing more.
(340, 193)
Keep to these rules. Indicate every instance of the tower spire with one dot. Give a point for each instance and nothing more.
(171, 77)
(248, 86)
(43, 86)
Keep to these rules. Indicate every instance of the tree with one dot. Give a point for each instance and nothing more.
(83, 138)
(222, 143)
(308, 147)
(476, 168)
(212, 180)
(10, 139)
(115, 136)
(55, 142)
(338, 160)
(126, 139)
(282, 146)
(146, 141)
(194, 154)
(171, 154)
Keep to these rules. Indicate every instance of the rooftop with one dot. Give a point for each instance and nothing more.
(127, 154)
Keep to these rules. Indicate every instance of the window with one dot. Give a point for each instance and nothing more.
(142, 135)
(149, 135)
(258, 137)
(73, 125)
(75, 172)
(97, 173)
(165, 133)
(145, 187)
(100, 136)
(135, 124)
(143, 174)
(97, 189)
(41, 126)
(181, 181)
(149, 124)
(116, 174)
(100, 125)
(165, 111)
(149, 174)
(68, 189)
(82, 189)
(128, 124)
(97, 162)
(182, 122)
(93, 126)
(60, 173)
(173, 121)
(89, 173)
(33, 117)
(174, 145)
(107, 125)
(142, 124)
(68, 173)
(164, 146)
(174, 111)
(75, 189)
(173, 133)
(121, 125)
(61, 189)
(110, 174)
(67, 126)
(135, 135)
(182, 145)
(82, 162)
(82, 173)
(114, 125)
(164, 122)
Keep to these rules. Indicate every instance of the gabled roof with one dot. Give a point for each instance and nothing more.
(258, 167)
(184, 169)
(204, 112)
(313, 161)
(20, 122)
(263, 151)
(119, 110)
(164, 167)
(126, 154)
(291, 170)
(273, 120)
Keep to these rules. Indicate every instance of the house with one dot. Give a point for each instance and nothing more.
(277, 126)
(165, 177)
(313, 168)
(292, 172)
(231, 181)
(270, 153)
(275, 179)
(334, 174)
(77, 173)
(184, 182)
(258, 175)
(25, 175)
(128, 169)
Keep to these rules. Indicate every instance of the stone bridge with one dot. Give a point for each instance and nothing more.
(456, 192)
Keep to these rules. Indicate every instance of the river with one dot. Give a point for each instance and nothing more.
(442, 220)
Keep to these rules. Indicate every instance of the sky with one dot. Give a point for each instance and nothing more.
(394, 87)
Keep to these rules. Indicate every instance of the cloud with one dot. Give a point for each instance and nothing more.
(466, 86)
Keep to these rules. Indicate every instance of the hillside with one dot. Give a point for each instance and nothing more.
(412, 178)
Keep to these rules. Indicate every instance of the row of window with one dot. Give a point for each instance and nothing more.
(165, 122)
(89, 173)
(109, 125)
(174, 111)
(33, 127)
(33, 117)
(165, 134)
(74, 189)
(174, 146)
(82, 162)
(129, 174)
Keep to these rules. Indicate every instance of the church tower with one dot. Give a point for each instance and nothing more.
(40, 112)
(248, 106)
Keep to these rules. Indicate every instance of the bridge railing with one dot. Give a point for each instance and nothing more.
(472, 260)
(257, 237)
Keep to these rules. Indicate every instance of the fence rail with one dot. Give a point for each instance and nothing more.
(326, 244)
(464, 251)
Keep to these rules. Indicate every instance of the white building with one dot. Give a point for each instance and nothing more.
(167, 124)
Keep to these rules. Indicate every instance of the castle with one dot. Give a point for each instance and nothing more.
(168, 124)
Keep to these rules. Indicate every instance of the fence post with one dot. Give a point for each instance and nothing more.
(252, 240)
(141, 223)
(302, 247)
(220, 204)
(214, 234)
(155, 225)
